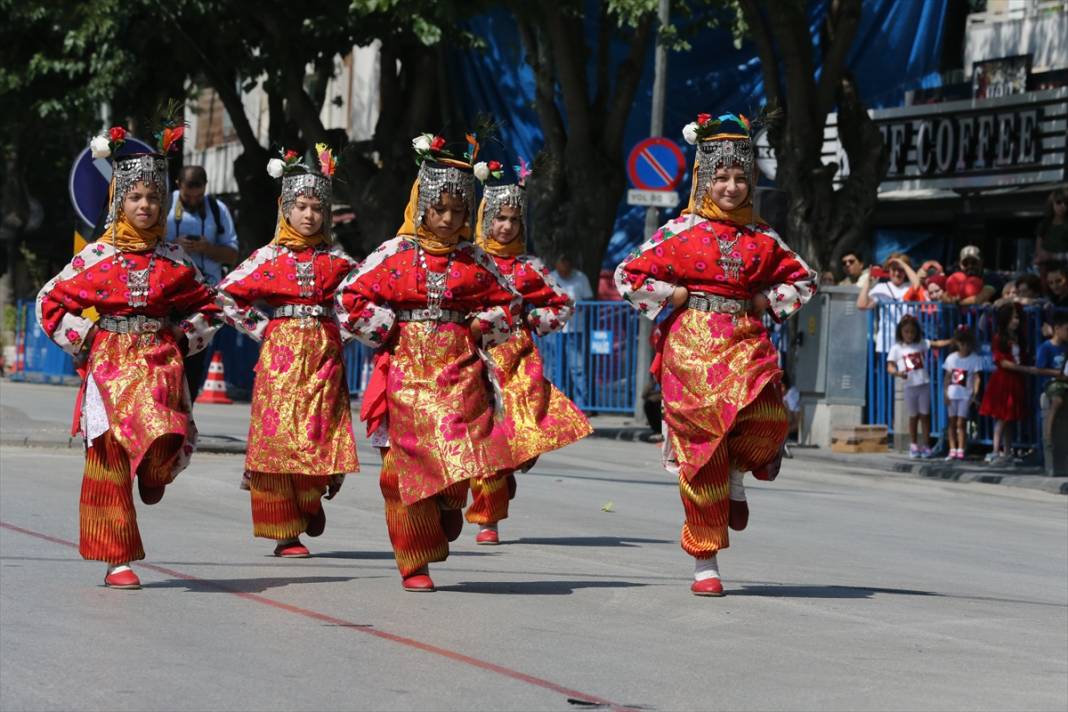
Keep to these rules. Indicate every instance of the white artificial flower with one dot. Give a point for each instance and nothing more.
(689, 132)
(482, 171)
(275, 167)
(421, 142)
(100, 146)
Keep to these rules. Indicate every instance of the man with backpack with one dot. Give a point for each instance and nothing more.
(202, 225)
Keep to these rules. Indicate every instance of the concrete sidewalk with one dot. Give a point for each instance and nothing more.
(39, 415)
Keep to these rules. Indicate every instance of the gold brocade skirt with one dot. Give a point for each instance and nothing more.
(439, 412)
(714, 365)
(536, 417)
(301, 422)
(142, 387)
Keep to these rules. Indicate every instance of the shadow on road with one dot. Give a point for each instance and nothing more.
(534, 588)
(817, 591)
(249, 585)
(384, 555)
(604, 541)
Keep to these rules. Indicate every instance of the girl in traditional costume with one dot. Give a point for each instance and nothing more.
(430, 301)
(721, 267)
(536, 417)
(153, 308)
(300, 439)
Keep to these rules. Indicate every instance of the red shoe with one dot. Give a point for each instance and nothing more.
(150, 495)
(452, 521)
(316, 523)
(125, 579)
(738, 518)
(292, 550)
(419, 582)
(707, 587)
(488, 536)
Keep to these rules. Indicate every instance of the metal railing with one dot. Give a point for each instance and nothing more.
(939, 321)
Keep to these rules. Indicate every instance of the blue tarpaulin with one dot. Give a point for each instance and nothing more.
(898, 47)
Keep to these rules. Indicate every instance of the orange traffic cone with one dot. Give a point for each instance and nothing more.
(215, 386)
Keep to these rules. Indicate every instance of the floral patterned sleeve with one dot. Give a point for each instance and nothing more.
(237, 296)
(551, 308)
(192, 299)
(784, 279)
(644, 278)
(503, 303)
(362, 300)
(61, 301)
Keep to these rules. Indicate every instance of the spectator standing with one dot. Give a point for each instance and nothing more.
(962, 369)
(901, 279)
(856, 273)
(202, 225)
(1057, 285)
(1006, 394)
(1050, 362)
(1052, 239)
(967, 286)
(577, 286)
(908, 360)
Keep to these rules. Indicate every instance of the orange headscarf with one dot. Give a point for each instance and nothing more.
(287, 236)
(742, 215)
(127, 238)
(427, 240)
(490, 244)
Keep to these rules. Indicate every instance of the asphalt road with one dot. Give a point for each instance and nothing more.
(849, 591)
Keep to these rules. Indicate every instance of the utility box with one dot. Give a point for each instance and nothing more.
(831, 363)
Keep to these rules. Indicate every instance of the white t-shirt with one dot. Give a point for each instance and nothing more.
(889, 292)
(911, 359)
(961, 374)
(792, 399)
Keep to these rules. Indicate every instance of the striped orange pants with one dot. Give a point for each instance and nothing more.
(108, 520)
(753, 441)
(282, 504)
(489, 498)
(415, 529)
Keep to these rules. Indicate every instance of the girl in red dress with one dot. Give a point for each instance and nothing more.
(300, 439)
(431, 302)
(536, 417)
(154, 308)
(1005, 399)
(721, 267)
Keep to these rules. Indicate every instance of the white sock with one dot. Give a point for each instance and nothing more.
(737, 487)
(705, 569)
(118, 569)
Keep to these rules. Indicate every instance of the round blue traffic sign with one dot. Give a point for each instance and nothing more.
(90, 177)
(655, 164)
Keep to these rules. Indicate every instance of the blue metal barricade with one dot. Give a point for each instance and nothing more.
(42, 361)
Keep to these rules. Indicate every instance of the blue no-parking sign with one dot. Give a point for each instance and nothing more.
(655, 164)
(89, 179)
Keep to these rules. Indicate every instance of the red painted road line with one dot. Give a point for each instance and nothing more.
(356, 627)
(648, 156)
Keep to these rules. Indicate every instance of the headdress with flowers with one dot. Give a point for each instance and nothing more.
(442, 170)
(499, 193)
(299, 178)
(149, 168)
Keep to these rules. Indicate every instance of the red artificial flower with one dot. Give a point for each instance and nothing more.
(290, 155)
(171, 137)
(494, 165)
(117, 133)
(703, 119)
(437, 144)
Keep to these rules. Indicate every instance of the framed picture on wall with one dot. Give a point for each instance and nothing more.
(1000, 77)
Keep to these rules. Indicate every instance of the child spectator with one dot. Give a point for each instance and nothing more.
(907, 360)
(1051, 359)
(1006, 394)
(962, 369)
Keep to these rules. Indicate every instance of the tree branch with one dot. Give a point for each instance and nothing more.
(769, 63)
(537, 56)
(842, 21)
(628, 77)
(570, 72)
